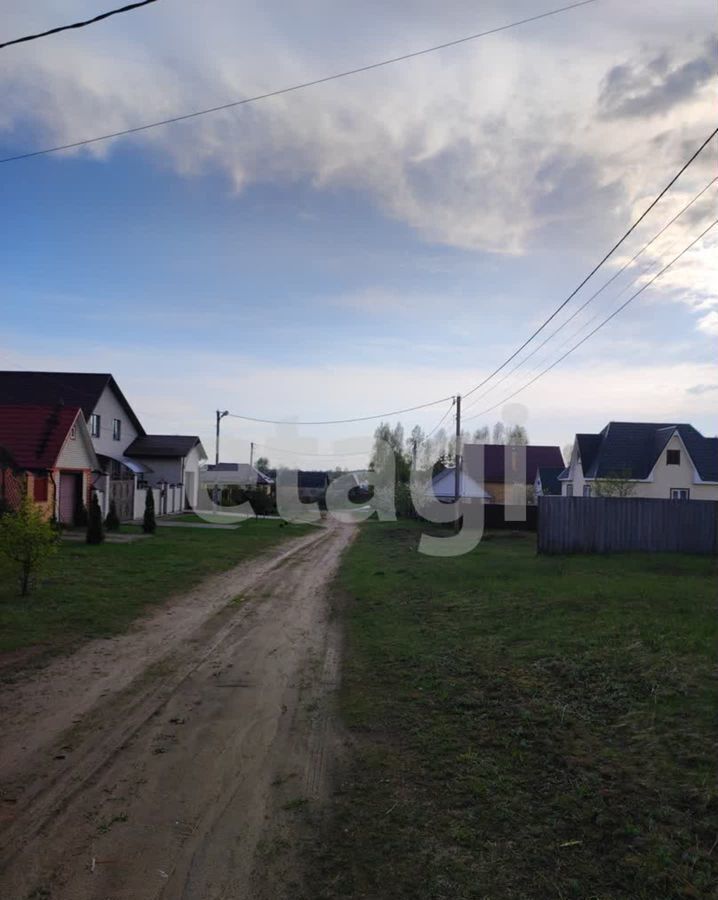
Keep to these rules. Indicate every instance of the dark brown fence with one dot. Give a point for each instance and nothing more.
(617, 524)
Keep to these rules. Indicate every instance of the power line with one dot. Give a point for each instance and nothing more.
(106, 15)
(593, 296)
(601, 324)
(386, 415)
(598, 265)
(441, 420)
(299, 87)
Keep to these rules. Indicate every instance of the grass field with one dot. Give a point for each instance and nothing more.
(523, 726)
(96, 591)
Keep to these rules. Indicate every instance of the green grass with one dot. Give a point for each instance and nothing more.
(523, 726)
(97, 591)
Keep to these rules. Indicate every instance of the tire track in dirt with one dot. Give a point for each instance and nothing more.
(169, 786)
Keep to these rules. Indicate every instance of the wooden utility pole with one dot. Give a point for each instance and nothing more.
(457, 453)
(251, 453)
(220, 416)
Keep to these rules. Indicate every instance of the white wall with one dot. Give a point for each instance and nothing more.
(108, 408)
(140, 495)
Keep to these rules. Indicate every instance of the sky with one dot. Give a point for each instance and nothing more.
(369, 244)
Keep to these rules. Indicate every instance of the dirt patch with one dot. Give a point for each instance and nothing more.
(172, 760)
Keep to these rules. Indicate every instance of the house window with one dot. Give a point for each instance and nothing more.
(116, 429)
(73, 433)
(680, 493)
(673, 457)
(95, 425)
(569, 490)
(587, 490)
(39, 488)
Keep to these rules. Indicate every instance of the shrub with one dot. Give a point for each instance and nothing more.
(80, 517)
(27, 540)
(148, 521)
(112, 520)
(95, 531)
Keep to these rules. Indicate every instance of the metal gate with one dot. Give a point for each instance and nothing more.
(122, 493)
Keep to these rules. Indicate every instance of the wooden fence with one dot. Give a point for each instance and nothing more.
(617, 524)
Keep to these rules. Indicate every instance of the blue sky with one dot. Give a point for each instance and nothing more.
(369, 244)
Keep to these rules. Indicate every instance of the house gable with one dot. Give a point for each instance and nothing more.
(77, 451)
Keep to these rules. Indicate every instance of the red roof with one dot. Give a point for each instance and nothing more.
(34, 435)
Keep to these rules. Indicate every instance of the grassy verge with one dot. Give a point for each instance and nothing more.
(97, 591)
(523, 726)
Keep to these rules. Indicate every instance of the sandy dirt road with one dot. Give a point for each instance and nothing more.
(167, 763)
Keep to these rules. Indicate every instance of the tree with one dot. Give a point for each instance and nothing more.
(517, 435)
(616, 484)
(148, 520)
(481, 435)
(262, 465)
(567, 453)
(27, 540)
(80, 516)
(112, 520)
(498, 435)
(95, 532)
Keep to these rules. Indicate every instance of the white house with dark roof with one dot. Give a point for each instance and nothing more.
(172, 461)
(662, 461)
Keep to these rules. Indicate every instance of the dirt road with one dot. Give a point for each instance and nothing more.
(168, 763)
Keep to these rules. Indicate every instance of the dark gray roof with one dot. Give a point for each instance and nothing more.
(549, 479)
(312, 479)
(631, 449)
(81, 389)
(162, 445)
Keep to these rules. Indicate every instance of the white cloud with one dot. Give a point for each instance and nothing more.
(491, 146)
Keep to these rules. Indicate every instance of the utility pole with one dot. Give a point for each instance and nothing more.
(251, 453)
(220, 416)
(457, 457)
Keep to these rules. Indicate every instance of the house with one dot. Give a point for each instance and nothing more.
(546, 483)
(501, 460)
(172, 463)
(665, 461)
(47, 452)
(444, 486)
(312, 486)
(113, 427)
(240, 475)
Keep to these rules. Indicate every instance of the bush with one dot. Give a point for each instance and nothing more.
(95, 531)
(112, 520)
(80, 517)
(27, 540)
(148, 521)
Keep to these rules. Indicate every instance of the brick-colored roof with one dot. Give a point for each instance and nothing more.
(33, 435)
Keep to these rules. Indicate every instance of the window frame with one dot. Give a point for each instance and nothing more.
(684, 491)
(569, 489)
(95, 424)
(673, 457)
(587, 490)
(117, 429)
